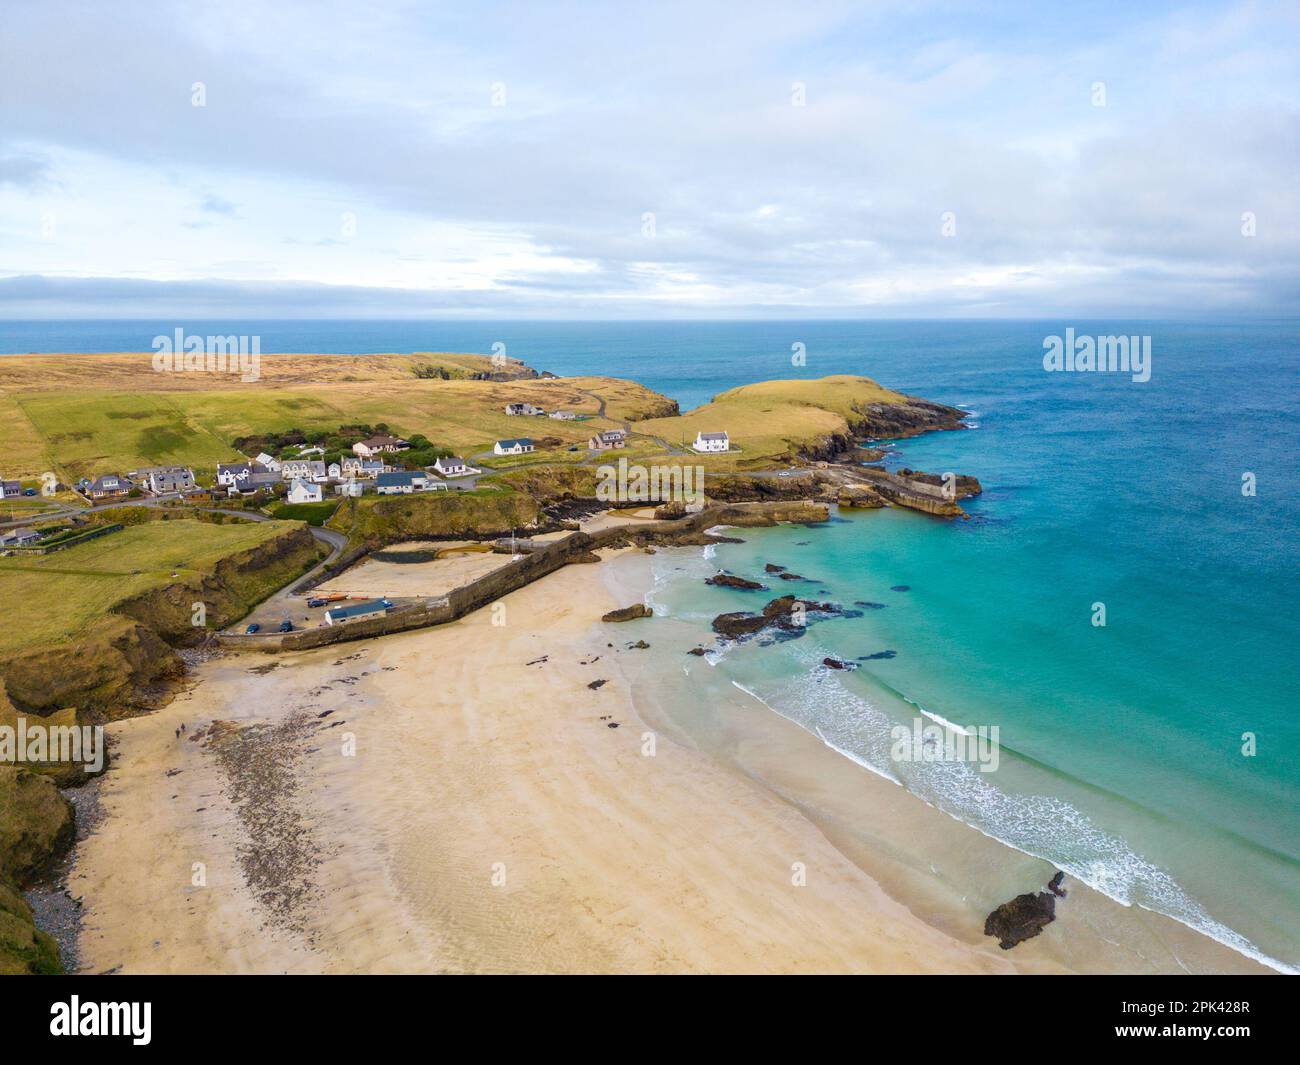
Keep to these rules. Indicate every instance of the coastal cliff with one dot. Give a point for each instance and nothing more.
(123, 662)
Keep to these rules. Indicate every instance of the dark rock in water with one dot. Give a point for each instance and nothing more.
(787, 576)
(640, 645)
(730, 580)
(784, 606)
(779, 612)
(629, 613)
(835, 663)
(802, 543)
(1020, 919)
(697, 651)
(596, 684)
(1054, 885)
(868, 604)
(738, 623)
(878, 654)
(612, 724)
(772, 567)
(901, 588)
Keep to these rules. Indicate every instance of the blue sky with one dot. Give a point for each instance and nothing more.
(629, 160)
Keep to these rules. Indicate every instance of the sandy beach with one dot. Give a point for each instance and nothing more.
(462, 799)
(491, 820)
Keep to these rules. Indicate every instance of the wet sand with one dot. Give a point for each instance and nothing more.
(459, 799)
(490, 820)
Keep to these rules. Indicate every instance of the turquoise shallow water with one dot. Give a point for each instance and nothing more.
(1122, 745)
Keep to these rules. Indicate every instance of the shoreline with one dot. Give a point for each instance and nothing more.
(1120, 938)
(608, 862)
(391, 854)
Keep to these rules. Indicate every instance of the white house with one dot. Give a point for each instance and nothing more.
(707, 442)
(244, 476)
(269, 461)
(513, 447)
(334, 471)
(10, 489)
(303, 492)
(404, 482)
(523, 408)
(563, 415)
(355, 489)
(453, 466)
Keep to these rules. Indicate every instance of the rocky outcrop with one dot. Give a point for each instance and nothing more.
(859, 495)
(36, 823)
(738, 623)
(779, 613)
(24, 950)
(1024, 916)
(896, 420)
(730, 580)
(749, 487)
(629, 613)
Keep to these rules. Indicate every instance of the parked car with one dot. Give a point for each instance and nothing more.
(317, 602)
(255, 627)
(286, 625)
(29, 491)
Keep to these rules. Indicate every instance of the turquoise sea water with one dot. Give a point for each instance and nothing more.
(1122, 744)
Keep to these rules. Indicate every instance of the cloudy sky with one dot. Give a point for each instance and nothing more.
(626, 160)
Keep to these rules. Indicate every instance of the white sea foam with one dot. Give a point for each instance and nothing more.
(1042, 826)
(939, 720)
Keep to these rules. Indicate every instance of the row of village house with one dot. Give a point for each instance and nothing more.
(307, 477)
(612, 438)
(705, 443)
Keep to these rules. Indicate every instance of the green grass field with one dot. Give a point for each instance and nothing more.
(88, 433)
(52, 597)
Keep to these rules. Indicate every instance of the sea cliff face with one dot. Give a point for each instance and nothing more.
(36, 828)
(115, 666)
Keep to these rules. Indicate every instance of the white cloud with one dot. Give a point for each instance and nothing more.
(360, 148)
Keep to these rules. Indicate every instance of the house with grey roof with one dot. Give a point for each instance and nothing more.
(163, 480)
(711, 442)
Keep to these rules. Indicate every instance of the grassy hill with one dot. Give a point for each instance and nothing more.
(773, 421)
(82, 415)
(57, 596)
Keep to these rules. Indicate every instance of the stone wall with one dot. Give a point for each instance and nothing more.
(545, 558)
